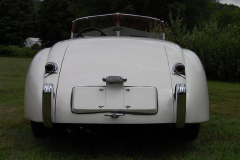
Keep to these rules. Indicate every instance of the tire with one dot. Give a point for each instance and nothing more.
(39, 130)
(190, 131)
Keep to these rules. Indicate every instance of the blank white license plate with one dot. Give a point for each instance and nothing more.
(118, 99)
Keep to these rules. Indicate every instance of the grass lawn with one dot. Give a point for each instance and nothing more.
(218, 139)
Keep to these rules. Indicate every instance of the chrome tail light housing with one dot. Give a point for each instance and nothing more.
(178, 69)
(51, 68)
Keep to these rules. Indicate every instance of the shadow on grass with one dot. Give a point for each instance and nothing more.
(127, 142)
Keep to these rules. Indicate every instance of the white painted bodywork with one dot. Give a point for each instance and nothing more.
(144, 62)
(34, 86)
(197, 93)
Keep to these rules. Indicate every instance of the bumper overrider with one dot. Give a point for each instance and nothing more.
(48, 106)
(180, 102)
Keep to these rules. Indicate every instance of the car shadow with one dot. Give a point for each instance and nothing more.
(127, 141)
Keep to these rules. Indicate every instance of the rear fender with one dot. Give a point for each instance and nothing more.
(197, 104)
(34, 86)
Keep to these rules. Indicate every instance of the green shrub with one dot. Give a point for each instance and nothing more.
(16, 51)
(217, 47)
(5, 51)
(36, 47)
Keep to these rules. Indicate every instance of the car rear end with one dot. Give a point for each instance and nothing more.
(113, 81)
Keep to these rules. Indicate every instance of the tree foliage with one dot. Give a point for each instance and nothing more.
(36, 47)
(55, 21)
(216, 43)
(228, 14)
(37, 4)
(56, 16)
(17, 21)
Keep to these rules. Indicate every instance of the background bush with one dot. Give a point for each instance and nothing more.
(16, 51)
(218, 47)
(36, 47)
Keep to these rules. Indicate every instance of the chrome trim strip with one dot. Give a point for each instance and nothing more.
(113, 14)
(122, 14)
(115, 115)
(47, 104)
(176, 73)
(180, 96)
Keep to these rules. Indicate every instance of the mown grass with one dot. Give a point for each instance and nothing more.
(218, 139)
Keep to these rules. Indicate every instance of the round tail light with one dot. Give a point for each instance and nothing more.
(179, 68)
(50, 67)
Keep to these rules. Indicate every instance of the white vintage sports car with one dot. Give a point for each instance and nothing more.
(116, 70)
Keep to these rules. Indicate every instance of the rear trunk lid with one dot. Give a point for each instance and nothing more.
(142, 61)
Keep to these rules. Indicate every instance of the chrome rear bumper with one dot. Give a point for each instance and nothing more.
(48, 109)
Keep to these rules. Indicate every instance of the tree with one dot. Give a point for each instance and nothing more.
(56, 16)
(227, 14)
(37, 4)
(17, 21)
(36, 47)
(55, 21)
(192, 11)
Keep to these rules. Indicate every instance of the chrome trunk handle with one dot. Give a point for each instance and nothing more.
(114, 79)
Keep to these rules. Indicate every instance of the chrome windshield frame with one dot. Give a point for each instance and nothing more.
(117, 15)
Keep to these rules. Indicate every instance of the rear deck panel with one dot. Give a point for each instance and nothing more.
(142, 61)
